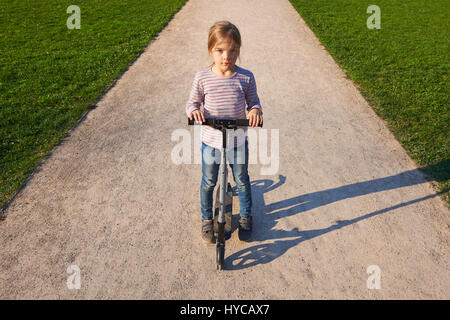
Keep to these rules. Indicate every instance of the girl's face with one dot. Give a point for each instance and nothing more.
(225, 54)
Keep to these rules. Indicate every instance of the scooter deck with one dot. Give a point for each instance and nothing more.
(228, 209)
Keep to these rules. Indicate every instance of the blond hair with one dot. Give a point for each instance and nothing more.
(223, 30)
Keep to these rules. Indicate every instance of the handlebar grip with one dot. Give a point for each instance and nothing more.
(208, 121)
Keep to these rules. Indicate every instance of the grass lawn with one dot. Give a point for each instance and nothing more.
(401, 69)
(51, 75)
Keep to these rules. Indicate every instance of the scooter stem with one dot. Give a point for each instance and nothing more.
(223, 177)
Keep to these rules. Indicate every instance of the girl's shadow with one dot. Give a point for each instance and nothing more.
(268, 215)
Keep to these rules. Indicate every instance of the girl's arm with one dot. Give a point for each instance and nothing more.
(196, 98)
(251, 95)
(254, 114)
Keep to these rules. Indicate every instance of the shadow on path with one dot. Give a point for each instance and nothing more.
(267, 216)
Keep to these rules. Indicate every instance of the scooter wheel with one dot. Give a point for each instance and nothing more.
(220, 254)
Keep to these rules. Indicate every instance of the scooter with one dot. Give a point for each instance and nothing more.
(224, 196)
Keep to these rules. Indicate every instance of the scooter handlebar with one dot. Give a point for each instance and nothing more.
(223, 122)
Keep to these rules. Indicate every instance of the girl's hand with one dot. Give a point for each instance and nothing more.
(255, 117)
(197, 115)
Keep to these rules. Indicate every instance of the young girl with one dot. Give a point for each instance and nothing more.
(224, 89)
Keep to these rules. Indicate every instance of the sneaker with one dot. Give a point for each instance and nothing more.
(208, 232)
(245, 229)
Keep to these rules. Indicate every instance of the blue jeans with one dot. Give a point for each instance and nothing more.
(238, 161)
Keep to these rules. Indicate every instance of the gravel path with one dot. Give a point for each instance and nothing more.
(111, 201)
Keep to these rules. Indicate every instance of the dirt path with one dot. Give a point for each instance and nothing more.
(345, 195)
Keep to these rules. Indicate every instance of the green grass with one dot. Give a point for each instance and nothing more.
(50, 75)
(401, 69)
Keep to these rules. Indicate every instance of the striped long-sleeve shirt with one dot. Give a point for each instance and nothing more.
(223, 98)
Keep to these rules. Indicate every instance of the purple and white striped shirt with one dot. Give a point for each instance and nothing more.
(223, 98)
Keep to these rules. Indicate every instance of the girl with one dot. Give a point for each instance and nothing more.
(224, 89)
